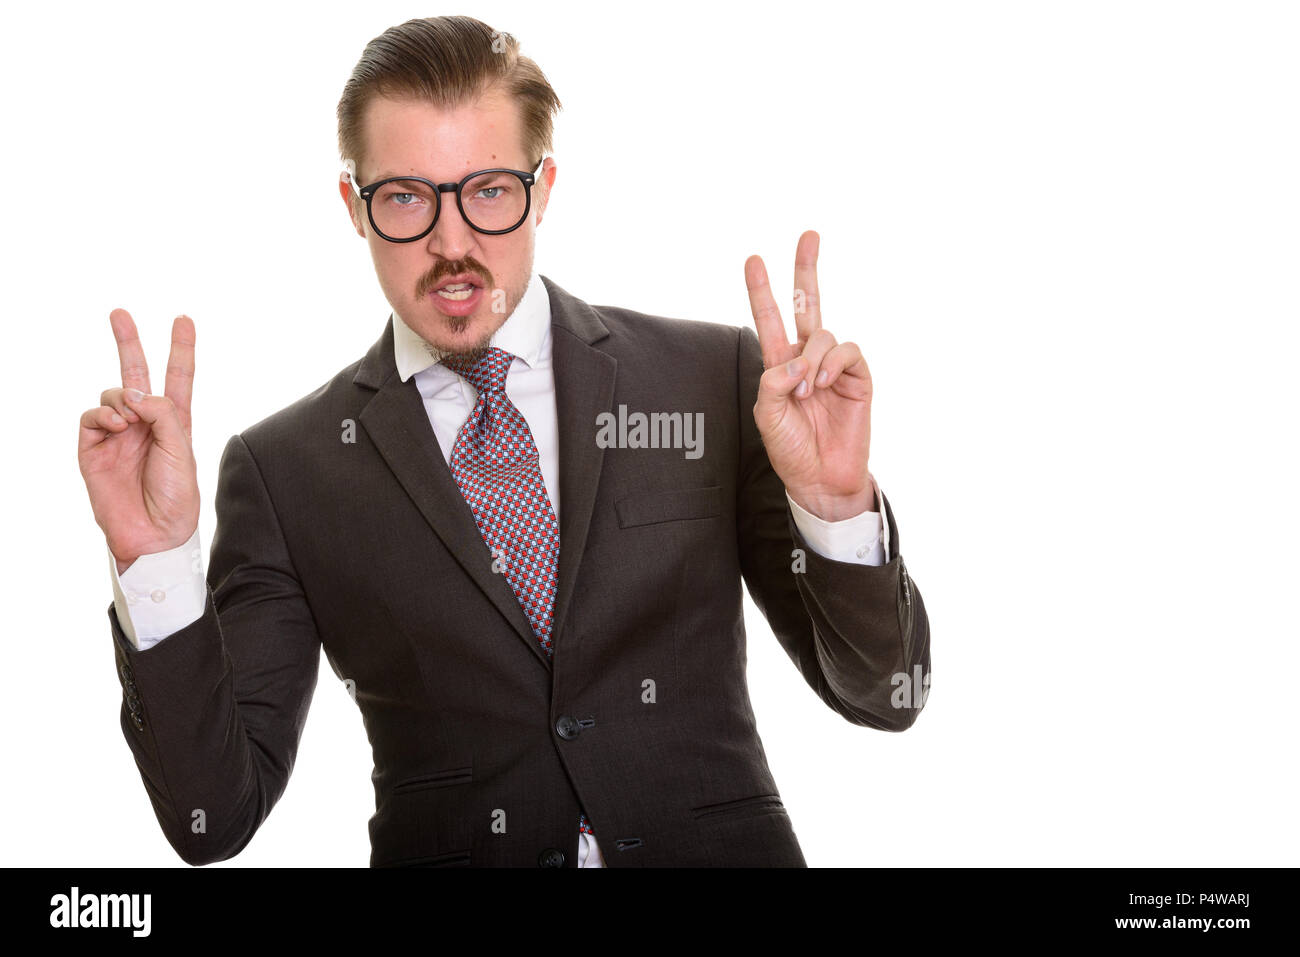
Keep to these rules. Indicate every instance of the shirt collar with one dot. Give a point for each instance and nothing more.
(523, 334)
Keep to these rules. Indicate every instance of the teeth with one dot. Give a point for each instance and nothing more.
(457, 292)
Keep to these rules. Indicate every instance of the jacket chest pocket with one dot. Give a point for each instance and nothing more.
(671, 505)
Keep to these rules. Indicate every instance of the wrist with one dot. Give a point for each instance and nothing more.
(836, 508)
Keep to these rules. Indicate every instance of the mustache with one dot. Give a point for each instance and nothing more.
(445, 269)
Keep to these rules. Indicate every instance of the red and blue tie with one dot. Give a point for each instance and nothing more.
(497, 468)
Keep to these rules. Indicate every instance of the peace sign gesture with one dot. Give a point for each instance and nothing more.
(814, 399)
(135, 453)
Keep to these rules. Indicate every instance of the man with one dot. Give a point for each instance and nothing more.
(518, 527)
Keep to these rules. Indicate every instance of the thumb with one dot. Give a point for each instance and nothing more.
(776, 385)
(163, 418)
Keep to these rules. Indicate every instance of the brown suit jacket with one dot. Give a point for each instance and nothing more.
(484, 749)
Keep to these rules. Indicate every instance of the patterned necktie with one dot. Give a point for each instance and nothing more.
(497, 468)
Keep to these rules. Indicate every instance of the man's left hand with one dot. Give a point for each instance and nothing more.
(814, 400)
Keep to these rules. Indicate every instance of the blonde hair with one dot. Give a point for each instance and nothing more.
(448, 62)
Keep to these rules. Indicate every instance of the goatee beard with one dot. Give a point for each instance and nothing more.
(457, 325)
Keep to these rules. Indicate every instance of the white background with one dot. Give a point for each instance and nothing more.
(1065, 235)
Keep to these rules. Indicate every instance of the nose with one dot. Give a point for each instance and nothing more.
(452, 238)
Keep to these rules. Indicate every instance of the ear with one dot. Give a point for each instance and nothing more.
(356, 206)
(542, 191)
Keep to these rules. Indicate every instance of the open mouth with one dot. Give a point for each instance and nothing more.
(458, 288)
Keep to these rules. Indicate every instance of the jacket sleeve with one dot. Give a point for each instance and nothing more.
(858, 634)
(213, 714)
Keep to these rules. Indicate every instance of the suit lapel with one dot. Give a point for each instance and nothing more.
(396, 422)
(398, 425)
(584, 387)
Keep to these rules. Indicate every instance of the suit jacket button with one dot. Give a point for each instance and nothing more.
(567, 727)
(125, 671)
(551, 857)
(138, 720)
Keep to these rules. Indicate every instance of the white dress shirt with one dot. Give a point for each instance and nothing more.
(160, 594)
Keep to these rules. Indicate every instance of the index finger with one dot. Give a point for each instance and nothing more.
(808, 307)
(180, 368)
(135, 371)
(767, 317)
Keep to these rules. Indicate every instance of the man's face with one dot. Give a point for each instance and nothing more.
(406, 137)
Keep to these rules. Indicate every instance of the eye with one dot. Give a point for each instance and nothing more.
(495, 190)
(404, 195)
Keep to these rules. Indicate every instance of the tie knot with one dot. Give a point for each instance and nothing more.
(487, 373)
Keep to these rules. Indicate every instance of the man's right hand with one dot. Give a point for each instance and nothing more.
(135, 452)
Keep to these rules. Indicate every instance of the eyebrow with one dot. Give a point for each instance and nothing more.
(390, 174)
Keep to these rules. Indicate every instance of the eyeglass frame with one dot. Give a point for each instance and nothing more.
(529, 180)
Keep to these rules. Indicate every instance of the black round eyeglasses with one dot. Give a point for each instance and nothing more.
(403, 209)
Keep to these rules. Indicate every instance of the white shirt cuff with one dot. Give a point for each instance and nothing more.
(160, 594)
(862, 539)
